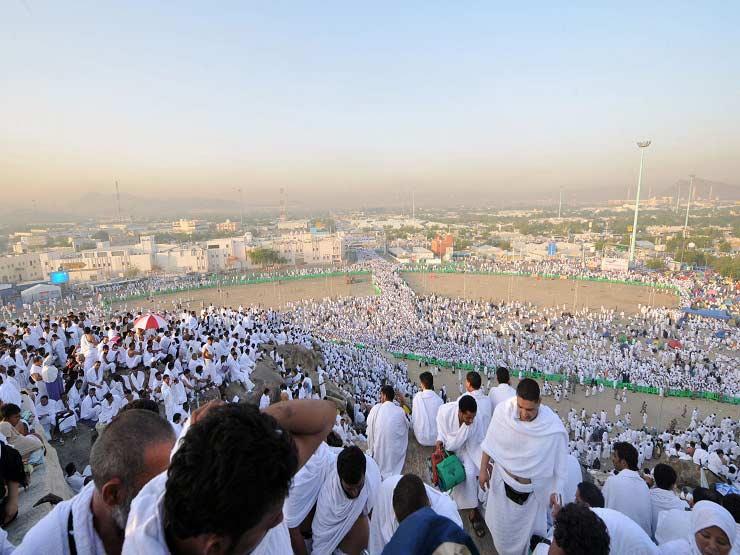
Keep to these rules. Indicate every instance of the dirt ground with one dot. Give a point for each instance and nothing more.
(541, 292)
(272, 295)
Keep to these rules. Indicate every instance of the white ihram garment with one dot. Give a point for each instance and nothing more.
(625, 536)
(628, 493)
(464, 441)
(387, 437)
(424, 416)
(335, 512)
(384, 524)
(535, 450)
(145, 527)
(304, 490)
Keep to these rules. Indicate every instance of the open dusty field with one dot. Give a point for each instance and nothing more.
(272, 295)
(661, 410)
(541, 292)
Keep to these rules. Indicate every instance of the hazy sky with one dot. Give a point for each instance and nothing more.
(319, 96)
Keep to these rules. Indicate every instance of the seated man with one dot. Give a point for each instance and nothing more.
(422, 530)
(384, 522)
(662, 496)
(577, 531)
(13, 476)
(227, 481)
(130, 451)
(345, 500)
(30, 447)
(626, 536)
(90, 407)
(626, 491)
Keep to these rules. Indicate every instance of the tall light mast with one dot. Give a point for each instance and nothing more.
(642, 145)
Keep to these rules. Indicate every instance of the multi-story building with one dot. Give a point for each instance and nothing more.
(310, 248)
(227, 254)
(17, 268)
(440, 245)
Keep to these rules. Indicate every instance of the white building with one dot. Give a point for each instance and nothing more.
(309, 248)
(293, 225)
(227, 254)
(174, 259)
(17, 268)
(97, 265)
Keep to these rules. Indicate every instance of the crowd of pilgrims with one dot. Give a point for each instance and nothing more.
(585, 345)
(150, 286)
(168, 474)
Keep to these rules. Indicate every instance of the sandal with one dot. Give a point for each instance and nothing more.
(479, 526)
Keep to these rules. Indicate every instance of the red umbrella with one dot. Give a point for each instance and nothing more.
(150, 322)
(674, 343)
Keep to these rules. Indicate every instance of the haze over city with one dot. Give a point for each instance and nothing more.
(343, 104)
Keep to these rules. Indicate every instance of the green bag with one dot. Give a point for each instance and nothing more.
(450, 472)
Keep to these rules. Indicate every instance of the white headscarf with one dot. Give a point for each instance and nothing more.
(706, 514)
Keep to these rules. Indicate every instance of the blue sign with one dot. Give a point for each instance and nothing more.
(58, 278)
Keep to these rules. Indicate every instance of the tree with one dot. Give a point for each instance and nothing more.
(131, 272)
(265, 257)
(724, 246)
(100, 236)
(655, 264)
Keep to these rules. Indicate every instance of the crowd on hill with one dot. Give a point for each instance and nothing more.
(170, 473)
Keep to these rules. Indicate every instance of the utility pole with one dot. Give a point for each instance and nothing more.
(560, 203)
(241, 210)
(642, 145)
(688, 205)
(118, 202)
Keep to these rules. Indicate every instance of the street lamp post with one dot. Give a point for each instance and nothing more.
(688, 205)
(643, 145)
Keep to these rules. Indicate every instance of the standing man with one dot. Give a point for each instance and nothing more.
(387, 434)
(473, 383)
(458, 431)
(627, 492)
(529, 455)
(425, 405)
(503, 390)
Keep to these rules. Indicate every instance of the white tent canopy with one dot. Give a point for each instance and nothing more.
(41, 292)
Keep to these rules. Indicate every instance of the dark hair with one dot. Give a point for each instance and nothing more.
(70, 469)
(627, 453)
(409, 496)
(473, 378)
(704, 494)
(10, 410)
(333, 440)
(119, 451)
(141, 404)
(580, 531)
(731, 502)
(231, 467)
(591, 494)
(502, 375)
(529, 390)
(387, 392)
(351, 464)
(665, 476)
(467, 403)
(427, 380)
